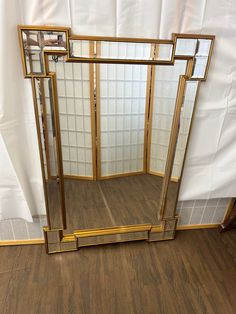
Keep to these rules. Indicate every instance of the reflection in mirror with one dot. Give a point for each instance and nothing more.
(121, 105)
(186, 47)
(119, 50)
(162, 112)
(49, 125)
(43, 90)
(121, 108)
(202, 56)
(75, 108)
(113, 238)
(163, 52)
(185, 122)
(80, 48)
(164, 99)
(198, 48)
(35, 42)
(184, 129)
(122, 118)
(123, 50)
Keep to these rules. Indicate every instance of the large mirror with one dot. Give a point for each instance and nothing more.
(113, 117)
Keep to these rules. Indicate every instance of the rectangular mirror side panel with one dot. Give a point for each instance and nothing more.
(46, 122)
(186, 116)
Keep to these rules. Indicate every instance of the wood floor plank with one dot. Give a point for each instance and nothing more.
(196, 273)
(100, 204)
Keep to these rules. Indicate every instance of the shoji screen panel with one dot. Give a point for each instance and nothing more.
(125, 50)
(121, 118)
(164, 98)
(75, 107)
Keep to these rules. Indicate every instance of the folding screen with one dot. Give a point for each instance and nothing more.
(75, 110)
(121, 113)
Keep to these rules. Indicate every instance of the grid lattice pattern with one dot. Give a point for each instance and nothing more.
(165, 91)
(122, 117)
(19, 229)
(79, 48)
(75, 117)
(198, 212)
(124, 50)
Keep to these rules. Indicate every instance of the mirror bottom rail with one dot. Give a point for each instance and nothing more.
(56, 241)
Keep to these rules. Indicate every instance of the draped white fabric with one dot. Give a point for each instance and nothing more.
(210, 169)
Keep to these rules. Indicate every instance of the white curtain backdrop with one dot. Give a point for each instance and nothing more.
(210, 169)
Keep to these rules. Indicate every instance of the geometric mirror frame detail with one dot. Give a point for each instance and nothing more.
(41, 48)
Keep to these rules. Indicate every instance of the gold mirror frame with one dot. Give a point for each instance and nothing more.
(58, 239)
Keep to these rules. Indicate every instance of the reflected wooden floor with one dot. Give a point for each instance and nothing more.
(196, 273)
(108, 203)
(113, 202)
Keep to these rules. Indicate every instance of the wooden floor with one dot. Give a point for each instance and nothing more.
(196, 273)
(106, 203)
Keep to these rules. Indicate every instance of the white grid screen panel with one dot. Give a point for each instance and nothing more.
(165, 92)
(73, 88)
(80, 48)
(134, 51)
(185, 122)
(125, 50)
(122, 117)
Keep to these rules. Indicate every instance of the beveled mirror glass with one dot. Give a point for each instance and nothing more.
(113, 117)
